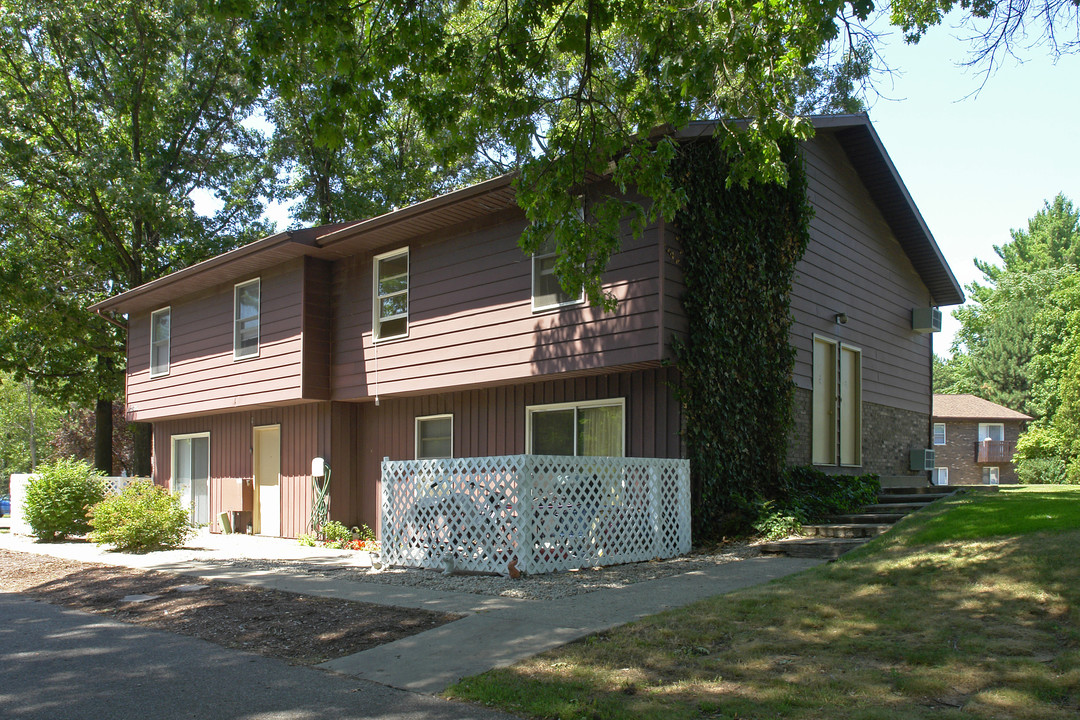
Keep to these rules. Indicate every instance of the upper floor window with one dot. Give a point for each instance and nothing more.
(391, 295)
(995, 432)
(594, 428)
(160, 338)
(246, 319)
(939, 433)
(434, 437)
(547, 293)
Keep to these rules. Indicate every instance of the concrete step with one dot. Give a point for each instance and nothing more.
(893, 508)
(906, 498)
(917, 489)
(825, 548)
(879, 518)
(844, 530)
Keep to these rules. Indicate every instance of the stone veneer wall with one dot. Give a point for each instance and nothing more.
(889, 435)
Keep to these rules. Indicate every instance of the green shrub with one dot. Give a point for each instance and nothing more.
(306, 540)
(59, 499)
(813, 495)
(1041, 470)
(143, 516)
(336, 534)
(773, 524)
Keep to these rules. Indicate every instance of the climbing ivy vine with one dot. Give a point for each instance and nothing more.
(739, 247)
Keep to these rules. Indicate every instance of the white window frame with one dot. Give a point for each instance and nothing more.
(549, 407)
(941, 473)
(376, 319)
(944, 436)
(991, 475)
(156, 344)
(836, 432)
(420, 419)
(237, 354)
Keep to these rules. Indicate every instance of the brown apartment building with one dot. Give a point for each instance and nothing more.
(974, 441)
(427, 333)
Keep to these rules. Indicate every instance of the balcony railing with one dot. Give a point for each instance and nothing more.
(994, 451)
(539, 513)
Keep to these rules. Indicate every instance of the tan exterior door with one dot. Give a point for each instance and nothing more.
(267, 456)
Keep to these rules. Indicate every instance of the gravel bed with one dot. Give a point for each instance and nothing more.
(533, 587)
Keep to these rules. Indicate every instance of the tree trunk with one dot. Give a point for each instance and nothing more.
(141, 435)
(103, 432)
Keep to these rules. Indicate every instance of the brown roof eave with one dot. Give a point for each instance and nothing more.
(138, 296)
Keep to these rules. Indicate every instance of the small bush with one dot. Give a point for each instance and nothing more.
(143, 516)
(335, 535)
(59, 499)
(306, 540)
(773, 524)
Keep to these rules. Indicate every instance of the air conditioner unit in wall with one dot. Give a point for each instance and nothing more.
(922, 459)
(926, 320)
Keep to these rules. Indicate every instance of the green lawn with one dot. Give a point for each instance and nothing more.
(965, 610)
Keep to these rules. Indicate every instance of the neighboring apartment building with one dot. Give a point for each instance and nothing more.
(427, 333)
(974, 441)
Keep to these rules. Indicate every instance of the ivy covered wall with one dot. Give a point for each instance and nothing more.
(739, 249)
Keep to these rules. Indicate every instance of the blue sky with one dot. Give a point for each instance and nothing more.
(978, 166)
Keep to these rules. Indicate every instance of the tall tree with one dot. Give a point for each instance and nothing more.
(573, 89)
(112, 114)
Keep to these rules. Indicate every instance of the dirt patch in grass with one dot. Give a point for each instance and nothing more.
(303, 629)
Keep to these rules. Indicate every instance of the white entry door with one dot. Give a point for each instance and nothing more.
(191, 474)
(267, 452)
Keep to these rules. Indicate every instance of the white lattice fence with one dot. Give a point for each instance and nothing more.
(549, 512)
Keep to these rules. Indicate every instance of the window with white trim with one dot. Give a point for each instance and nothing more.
(939, 433)
(160, 339)
(246, 311)
(941, 476)
(592, 428)
(391, 310)
(991, 475)
(547, 292)
(434, 437)
(836, 411)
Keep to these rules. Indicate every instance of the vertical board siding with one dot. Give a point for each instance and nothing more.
(305, 434)
(203, 377)
(854, 265)
(492, 422)
(315, 378)
(471, 321)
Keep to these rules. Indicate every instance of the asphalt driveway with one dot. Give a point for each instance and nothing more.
(58, 664)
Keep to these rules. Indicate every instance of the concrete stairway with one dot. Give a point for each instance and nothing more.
(847, 532)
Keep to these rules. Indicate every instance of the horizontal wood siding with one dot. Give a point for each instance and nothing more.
(471, 322)
(203, 377)
(855, 266)
(305, 434)
(492, 421)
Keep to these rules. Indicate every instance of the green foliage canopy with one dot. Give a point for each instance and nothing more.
(113, 114)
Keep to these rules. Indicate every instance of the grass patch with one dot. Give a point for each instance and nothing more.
(966, 610)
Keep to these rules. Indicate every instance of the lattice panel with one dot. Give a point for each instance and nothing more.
(551, 513)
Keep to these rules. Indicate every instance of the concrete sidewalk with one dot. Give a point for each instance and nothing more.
(496, 631)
